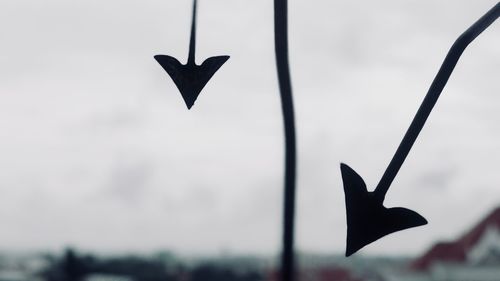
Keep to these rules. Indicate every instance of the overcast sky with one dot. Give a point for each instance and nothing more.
(98, 150)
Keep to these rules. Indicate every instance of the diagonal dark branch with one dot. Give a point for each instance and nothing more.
(432, 96)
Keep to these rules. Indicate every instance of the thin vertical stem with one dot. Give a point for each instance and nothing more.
(281, 48)
(192, 41)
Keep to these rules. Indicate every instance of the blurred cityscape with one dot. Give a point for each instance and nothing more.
(473, 256)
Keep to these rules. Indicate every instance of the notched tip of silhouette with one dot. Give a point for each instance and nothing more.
(367, 218)
(190, 78)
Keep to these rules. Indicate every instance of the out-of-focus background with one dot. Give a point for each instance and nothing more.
(99, 153)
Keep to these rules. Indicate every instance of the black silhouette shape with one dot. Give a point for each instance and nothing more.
(281, 49)
(367, 218)
(191, 78)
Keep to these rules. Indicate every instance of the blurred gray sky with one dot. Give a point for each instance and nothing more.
(98, 150)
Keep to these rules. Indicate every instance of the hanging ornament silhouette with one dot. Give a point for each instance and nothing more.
(367, 218)
(191, 78)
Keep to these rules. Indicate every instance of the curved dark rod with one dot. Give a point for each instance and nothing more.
(281, 48)
(432, 96)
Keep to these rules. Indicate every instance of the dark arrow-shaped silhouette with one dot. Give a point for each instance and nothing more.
(367, 218)
(191, 78)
